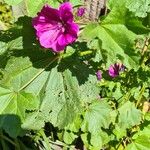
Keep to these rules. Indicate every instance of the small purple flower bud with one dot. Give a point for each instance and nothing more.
(99, 75)
(115, 69)
(80, 11)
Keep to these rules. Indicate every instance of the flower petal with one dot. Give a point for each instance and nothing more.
(55, 28)
(46, 17)
(70, 34)
(48, 38)
(112, 71)
(65, 39)
(57, 48)
(72, 28)
(65, 10)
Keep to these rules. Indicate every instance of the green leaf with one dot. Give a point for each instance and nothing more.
(32, 10)
(139, 7)
(96, 45)
(12, 2)
(69, 137)
(147, 116)
(3, 47)
(19, 10)
(71, 130)
(95, 141)
(117, 34)
(121, 15)
(88, 95)
(85, 139)
(28, 6)
(96, 116)
(17, 103)
(117, 40)
(144, 130)
(54, 89)
(141, 143)
(117, 94)
(53, 3)
(98, 140)
(11, 124)
(76, 2)
(119, 132)
(15, 44)
(118, 13)
(58, 88)
(7, 47)
(61, 99)
(75, 125)
(128, 115)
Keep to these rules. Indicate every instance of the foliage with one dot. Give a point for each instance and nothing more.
(51, 101)
(140, 7)
(5, 16)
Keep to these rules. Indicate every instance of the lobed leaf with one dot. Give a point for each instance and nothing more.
(96, 116)
(17, 103)
(139, 7)
(12, 2)
(129, 115)
(141, 143)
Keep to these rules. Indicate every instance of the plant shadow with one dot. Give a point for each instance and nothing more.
(11, 124)
(29, 47)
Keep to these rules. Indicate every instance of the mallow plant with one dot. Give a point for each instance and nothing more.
(67, 82)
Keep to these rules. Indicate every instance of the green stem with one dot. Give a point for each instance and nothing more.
(17, 145)
(140, 95)
(61, 144)
(119, 145)
(146, 44)
(144, 49)
(85, 53)
(45, 139)
(7, 139)
(49, 142)
(3, 144)
(52, 135)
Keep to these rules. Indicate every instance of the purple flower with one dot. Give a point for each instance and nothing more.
(55, 28)
(80, 11)
(115, 69)
(99, 75)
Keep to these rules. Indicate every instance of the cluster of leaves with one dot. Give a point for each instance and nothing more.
(55, 100)
(5, 16)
